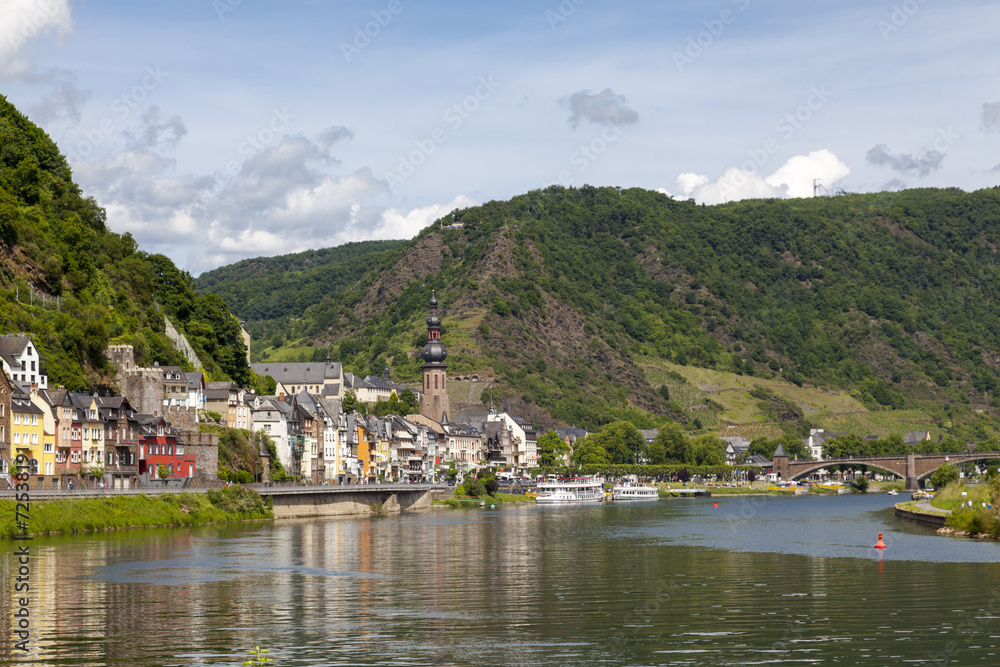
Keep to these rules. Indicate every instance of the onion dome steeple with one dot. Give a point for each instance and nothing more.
(434, 351)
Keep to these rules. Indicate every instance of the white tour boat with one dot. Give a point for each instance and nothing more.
(576, 490)
(634, 492)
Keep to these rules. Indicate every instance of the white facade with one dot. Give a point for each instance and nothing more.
(21, 361)
(271, 421)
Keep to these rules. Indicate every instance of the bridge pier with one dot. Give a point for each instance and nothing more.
(912, 481)
(311, 501)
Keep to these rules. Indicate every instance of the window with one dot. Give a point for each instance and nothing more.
(48, 447)
(159, 429)
(34, 438)
(180, 449)
(17, 417)
(17, 437)
(34, 420)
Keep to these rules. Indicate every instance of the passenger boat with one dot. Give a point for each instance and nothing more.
(634, 492)
(575, 490)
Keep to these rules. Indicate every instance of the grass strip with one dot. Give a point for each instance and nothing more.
(85, 515)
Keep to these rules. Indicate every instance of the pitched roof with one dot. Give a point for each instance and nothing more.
(312, 372)
(12, 345)
(780, 451)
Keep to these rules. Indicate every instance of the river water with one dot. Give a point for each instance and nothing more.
(775, 581)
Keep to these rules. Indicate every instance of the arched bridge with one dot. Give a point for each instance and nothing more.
(911, 467)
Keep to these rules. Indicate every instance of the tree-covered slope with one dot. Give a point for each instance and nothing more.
(74, 285)
(894, 296)
(279, 288)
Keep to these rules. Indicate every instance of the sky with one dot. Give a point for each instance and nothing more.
(218, 130)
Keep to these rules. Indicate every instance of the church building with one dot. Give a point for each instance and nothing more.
(434, 399)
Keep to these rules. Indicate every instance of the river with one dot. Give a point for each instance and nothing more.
(674, 582)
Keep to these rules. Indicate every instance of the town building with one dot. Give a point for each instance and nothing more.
(315, 377)
(21, 360)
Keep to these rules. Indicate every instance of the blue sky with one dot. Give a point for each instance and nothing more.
(215, 130)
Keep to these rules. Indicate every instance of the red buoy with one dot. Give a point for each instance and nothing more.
(880, 544)
(716, 503)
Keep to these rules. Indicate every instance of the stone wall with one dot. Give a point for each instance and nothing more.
(143, 388)
(182, 345)
(205, 447)
(182, 418)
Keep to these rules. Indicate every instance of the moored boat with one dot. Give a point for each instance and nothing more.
(574, 490)
(634, 492)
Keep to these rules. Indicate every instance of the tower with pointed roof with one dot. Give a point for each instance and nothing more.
(434, 399)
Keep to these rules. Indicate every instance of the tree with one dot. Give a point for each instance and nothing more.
(589, 451)
(623, 443)
(551, 449)
(162, 471)
(263, 385)
(350, 402)
(674, 445)
(944, 476)
(707, 450)
(409, 403)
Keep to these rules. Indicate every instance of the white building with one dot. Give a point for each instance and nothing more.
(21, 360)
(270, 416)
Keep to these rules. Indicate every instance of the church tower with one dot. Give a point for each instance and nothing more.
(434, 399)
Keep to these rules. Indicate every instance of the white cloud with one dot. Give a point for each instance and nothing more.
(604, 107)
(792, 179)
(796, 176)
(22, 22)
(282, 199)
(687, 183)
(397, 224)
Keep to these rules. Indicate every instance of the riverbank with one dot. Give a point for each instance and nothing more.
(89, 515)
(959, 510)
(481, 501)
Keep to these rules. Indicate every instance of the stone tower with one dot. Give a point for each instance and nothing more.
(434, 399)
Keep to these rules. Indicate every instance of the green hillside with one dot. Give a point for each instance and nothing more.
(74, 285)
(888, 299)
(276, 289)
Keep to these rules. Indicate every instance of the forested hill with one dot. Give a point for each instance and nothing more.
(280, 288)
(561, 292)
(74, 285)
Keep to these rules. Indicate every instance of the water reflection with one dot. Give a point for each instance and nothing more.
(674, 582)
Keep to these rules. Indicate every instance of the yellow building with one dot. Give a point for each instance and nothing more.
(92, 432)
(49, 453)
(27, 436)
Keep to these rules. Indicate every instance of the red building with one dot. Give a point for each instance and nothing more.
(158, 445)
